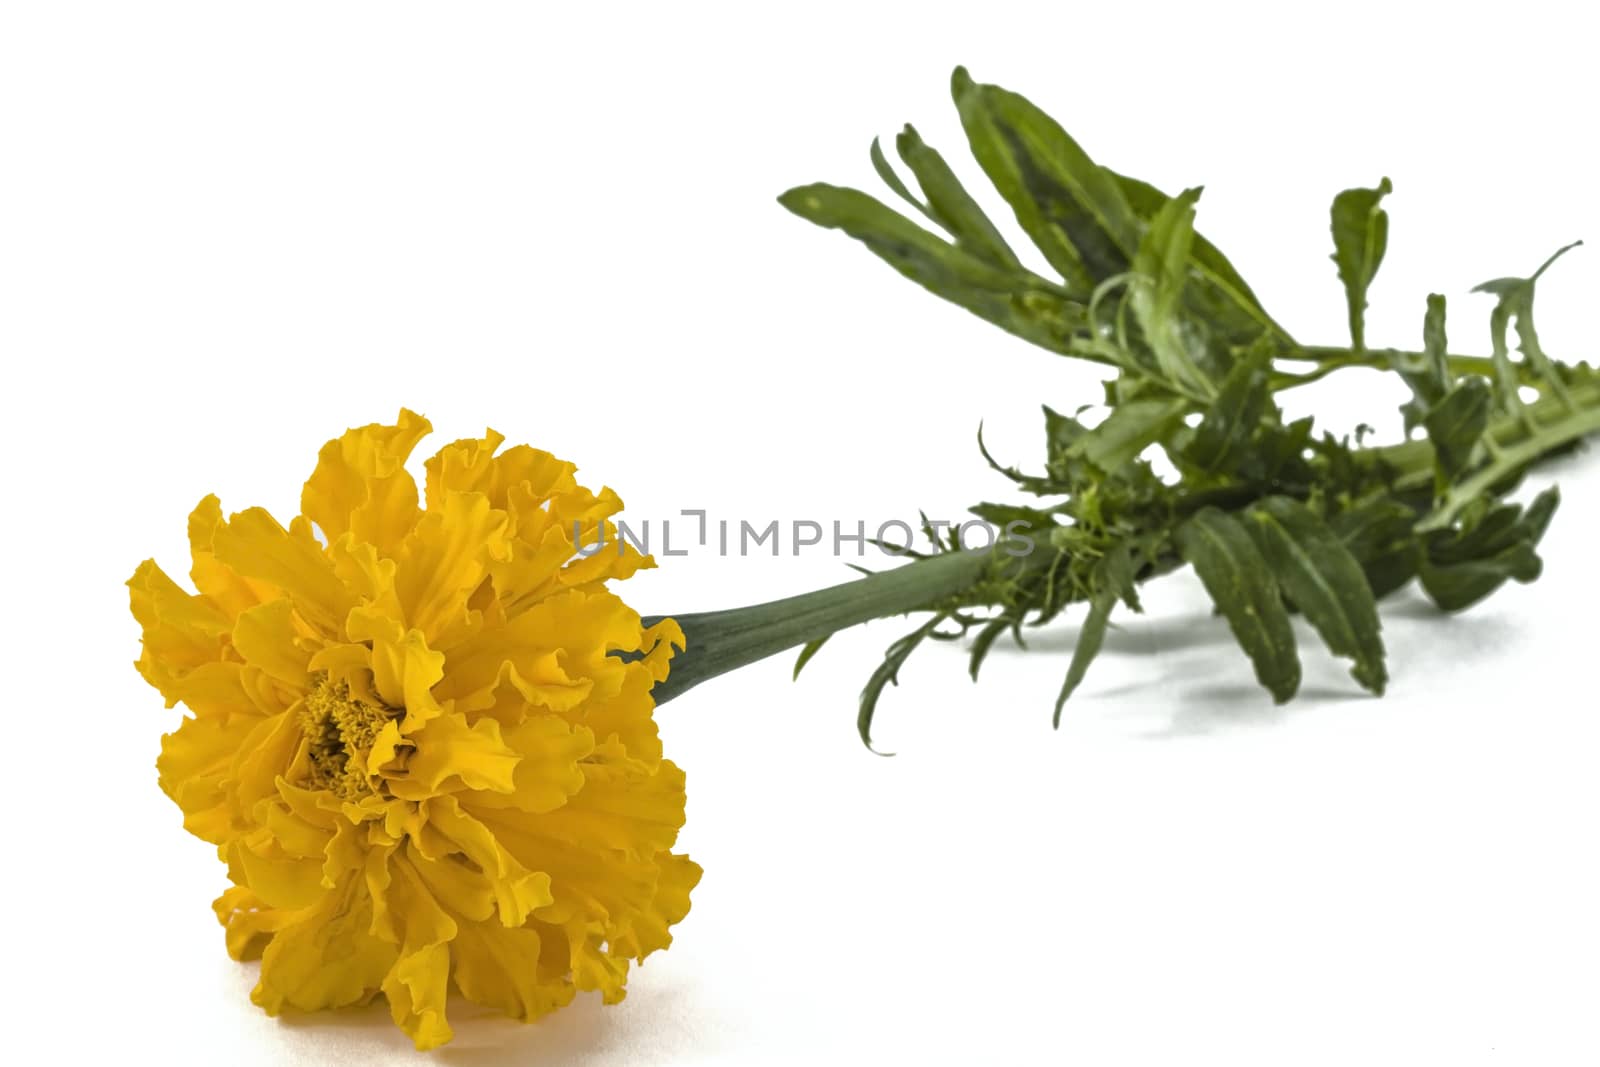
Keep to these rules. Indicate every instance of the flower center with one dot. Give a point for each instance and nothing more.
(339, 731)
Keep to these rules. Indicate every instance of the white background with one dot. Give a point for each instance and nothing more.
(227, 232)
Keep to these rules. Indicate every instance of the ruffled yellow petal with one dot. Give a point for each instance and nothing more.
(255, 546)
(193, 770)
(444, 560)
(511, 970)
(649, 929)
(623, 806)
(404, 668)
(324, 957)
(361, 486)
(250, 924)
(471, 466)
(268, 638)
(568, 637)
(449, 748)
(419, 981)
(518, 891)
(181, 631)
(229, 591)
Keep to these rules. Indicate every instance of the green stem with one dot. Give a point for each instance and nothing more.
(1578, 416)
(1330, 360)
(722, 641)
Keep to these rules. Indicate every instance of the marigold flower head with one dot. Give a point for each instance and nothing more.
(409, 740)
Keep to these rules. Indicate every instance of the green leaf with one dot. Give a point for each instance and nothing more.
(1027, 520)
(1321, 578)
(1217, 294)
(1222, 439)
(1239, 581)
(1360, 236)
(1457, 424)
(1462, 566)
(1516, 303)
(1090, 640)
(1018, 303)
(1073, 210)
(985, 640)
(806, 653)
(892, 180)
(1458, 586)
(1118, 571)
(1379, 534)
(1495, 546)
(1128, 430)
(1156, 291)
(887, 674)
(1536, 520)
(951, 206)
(1426, 372)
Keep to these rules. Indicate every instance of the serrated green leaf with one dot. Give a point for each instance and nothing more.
(1324, 580)
(1223, 437)
(806, 653)
(1240, 583)
(1017, 302)
(1457, 423)
(951, 205)
(1360, 236)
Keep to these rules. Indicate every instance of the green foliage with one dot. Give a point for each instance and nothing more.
(1275, 518)
(1360, 237)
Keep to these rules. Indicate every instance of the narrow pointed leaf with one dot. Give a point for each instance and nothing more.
(887, 674)
(1156, 293)
(1073, 210)
(806, 653)
(1090, 639)
(1320, 576)
(886, 171)
(1239, 581)
(951, 205)
(985, 640)
(1019, 303)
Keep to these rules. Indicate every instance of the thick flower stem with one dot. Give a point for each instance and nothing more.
(722, 641)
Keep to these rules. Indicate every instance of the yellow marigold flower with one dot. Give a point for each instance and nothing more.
(409, 741)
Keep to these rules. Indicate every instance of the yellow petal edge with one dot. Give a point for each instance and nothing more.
(408, 739)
